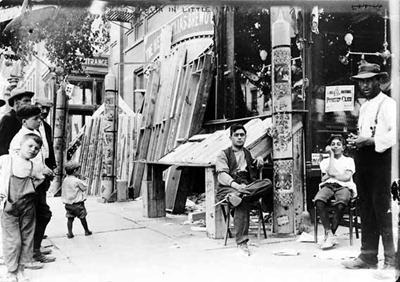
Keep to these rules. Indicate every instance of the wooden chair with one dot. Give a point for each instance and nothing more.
(351, 211)
(227, 208)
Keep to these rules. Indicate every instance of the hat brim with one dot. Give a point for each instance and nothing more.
(367, 75)
(12, 98)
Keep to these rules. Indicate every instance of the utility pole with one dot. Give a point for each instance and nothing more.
(60, 134)
(108, 178)
(282, 122)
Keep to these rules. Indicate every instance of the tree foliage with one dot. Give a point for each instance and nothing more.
(69, 34)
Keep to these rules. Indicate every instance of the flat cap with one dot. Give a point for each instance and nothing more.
(27, 111)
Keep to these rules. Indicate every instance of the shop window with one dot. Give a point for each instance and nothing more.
(338, 47)
(138, 89)
(82, 94)
(252, 63)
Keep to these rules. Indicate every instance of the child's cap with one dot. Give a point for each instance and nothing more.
(337, 136)
(27, 111)
(71, 166)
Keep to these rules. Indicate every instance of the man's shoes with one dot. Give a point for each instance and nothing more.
(45, 251)
(244, 249)
(329, 241)
(42, 258)
(233, 199)
(34, 265)
(70, 235)
(88, 233)
(358, 264)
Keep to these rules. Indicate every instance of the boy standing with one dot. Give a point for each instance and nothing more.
(30, 118)
(73, 195)
(337, 183)
(18, 177)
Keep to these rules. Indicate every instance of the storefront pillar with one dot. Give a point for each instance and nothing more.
(110, 127)
(394, 9)
(59, 139)
(284, 219)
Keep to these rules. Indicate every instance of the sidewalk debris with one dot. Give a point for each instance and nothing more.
(306, 238)
(337, 254)
(287, 252)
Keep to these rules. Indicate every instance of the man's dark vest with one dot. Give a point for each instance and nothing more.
(232, 164)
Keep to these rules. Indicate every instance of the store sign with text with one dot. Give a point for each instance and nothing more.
(185, 25)
(339, 98)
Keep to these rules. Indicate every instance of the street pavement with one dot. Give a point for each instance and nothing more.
(125, 246)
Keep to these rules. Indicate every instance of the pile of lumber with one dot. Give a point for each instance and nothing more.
(91, 147)
(174, 105)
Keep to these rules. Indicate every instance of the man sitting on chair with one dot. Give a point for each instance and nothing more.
(238, 184)
(337, 184)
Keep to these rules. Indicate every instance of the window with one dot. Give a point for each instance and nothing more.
(138, 89)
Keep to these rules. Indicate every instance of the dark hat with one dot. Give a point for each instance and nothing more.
(2, 102)
(45, 102)
(368, 70)
(18, 93)
(337, 136)
(71, 166)
(27, 111)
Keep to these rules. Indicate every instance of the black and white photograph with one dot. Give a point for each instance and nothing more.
(199, 140)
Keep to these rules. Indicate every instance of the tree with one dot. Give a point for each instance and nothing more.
(70, 34)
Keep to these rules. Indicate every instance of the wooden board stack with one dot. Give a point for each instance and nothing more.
(91, 155)
(174, 106)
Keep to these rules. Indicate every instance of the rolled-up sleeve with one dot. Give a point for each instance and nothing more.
(386, 133)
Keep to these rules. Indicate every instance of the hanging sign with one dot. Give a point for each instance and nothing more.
(339, 98)
(69, 89)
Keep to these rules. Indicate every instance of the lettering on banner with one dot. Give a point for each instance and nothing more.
(190, 21)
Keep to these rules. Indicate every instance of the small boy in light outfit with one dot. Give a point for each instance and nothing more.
(19, 176)
(29, 116)
(337, 183)
(73, 195)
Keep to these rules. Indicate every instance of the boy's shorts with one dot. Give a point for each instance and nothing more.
(76, 210)
(334, 191)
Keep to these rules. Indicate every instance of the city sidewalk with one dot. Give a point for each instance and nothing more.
(125, 246)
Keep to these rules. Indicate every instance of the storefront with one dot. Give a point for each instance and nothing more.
(288, 63)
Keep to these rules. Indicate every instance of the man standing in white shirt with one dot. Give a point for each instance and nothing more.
(376, 136)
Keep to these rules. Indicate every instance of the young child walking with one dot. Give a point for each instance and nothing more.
(73, 195)
(18, 178)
